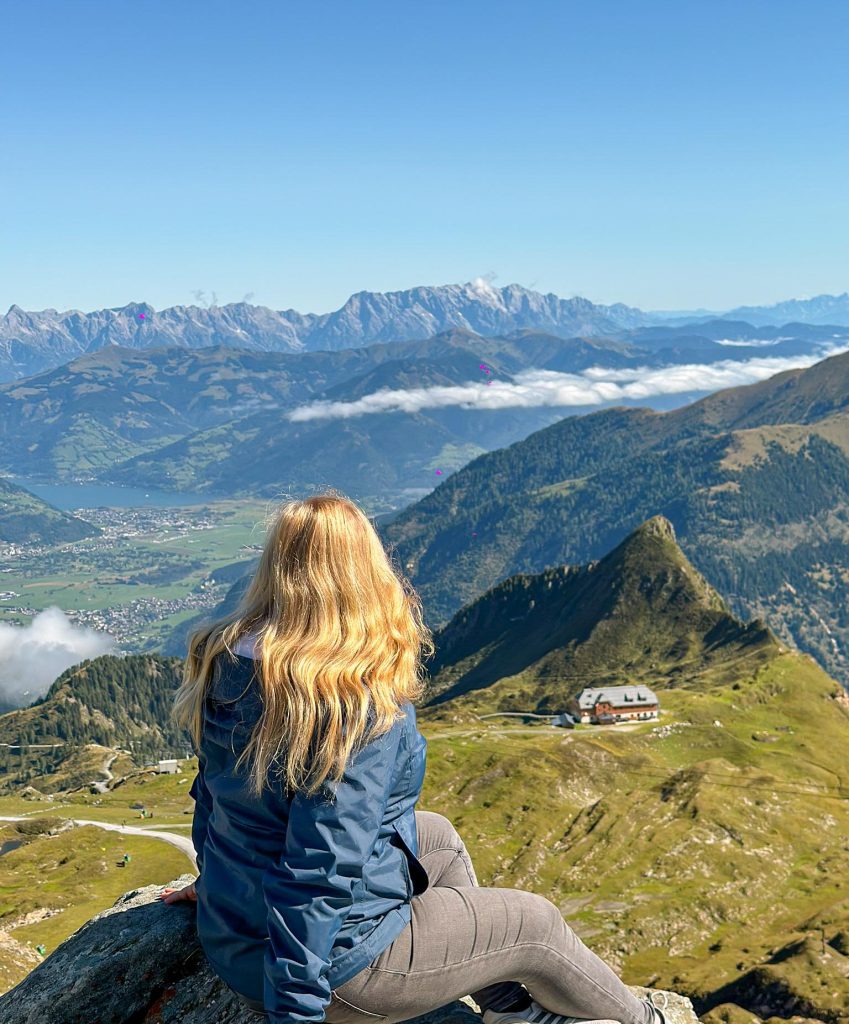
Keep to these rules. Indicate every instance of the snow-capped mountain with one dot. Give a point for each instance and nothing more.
(34, 341)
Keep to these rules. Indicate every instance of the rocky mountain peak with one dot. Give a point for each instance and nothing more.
(657, 526)
(640, 613)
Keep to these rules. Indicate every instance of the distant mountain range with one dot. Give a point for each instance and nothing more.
(31, 342)
(217, 419)
(755, 481)
(822, 309)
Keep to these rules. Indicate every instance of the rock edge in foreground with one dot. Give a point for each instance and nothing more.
(139, 962)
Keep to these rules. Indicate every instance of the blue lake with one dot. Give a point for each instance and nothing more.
(69, 496)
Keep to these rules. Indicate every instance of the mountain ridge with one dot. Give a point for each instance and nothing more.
(640, 614)
(758, 500)
(111, 700)
(32, 341)
(170, 417)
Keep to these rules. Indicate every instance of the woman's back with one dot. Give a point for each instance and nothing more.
(299, 861)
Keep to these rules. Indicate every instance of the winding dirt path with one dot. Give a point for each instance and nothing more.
(103, 785)
(181, 842)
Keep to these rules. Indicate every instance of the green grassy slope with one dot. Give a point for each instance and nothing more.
(26, 519)
(761, 511)
(640, 614)
(686, 853)
(61, 877)
(695, 856)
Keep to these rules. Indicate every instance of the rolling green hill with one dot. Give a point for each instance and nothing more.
(705, 853)
(389, 452)
(26, 519)
(178, 417)
(109, 405)
(755, 485)
(642, 614)
(167, 416)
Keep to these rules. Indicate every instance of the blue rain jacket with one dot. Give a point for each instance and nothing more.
(296, 896)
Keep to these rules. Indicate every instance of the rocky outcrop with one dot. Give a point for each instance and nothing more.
(139, 962)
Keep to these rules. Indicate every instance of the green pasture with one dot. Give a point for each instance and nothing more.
(90, 574)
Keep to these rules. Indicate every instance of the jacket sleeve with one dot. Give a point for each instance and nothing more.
(308, 891)
(203, 809)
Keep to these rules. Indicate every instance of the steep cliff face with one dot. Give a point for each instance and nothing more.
(140, 963)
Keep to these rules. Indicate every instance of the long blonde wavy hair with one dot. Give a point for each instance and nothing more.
(332, 614)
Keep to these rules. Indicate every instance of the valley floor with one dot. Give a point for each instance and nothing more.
(149, 570)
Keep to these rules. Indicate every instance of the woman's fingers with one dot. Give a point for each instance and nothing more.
(172, 895)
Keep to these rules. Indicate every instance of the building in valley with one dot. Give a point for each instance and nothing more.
(607, 705)
(564, 720)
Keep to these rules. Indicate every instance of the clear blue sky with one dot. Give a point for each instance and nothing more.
(668, 155)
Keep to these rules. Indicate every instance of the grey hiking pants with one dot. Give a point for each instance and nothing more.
(495, 944)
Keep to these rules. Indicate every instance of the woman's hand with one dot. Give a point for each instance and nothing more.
(172, 895)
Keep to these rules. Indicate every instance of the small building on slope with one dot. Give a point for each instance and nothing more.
(607, 705)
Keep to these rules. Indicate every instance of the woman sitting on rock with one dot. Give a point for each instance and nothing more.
(323, 895)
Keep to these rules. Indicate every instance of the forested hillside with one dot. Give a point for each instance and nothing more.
(26, 519)
(642, 614)
(754, 480)
(110, 700)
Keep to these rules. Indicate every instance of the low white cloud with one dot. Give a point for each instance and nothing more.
(32, 656)
(483, 285)
(757, 343)
(595, 386)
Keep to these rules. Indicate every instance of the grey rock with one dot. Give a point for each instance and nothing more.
(139, 962)
(422, 312)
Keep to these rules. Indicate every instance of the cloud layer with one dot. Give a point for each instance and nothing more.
(31, 657)
(594, 386)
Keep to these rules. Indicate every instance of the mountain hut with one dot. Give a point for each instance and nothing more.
(607, 705)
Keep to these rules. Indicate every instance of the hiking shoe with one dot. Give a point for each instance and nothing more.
(536, 1014)
(660, 1016)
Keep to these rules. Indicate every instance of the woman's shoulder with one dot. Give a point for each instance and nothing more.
(233, 681)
